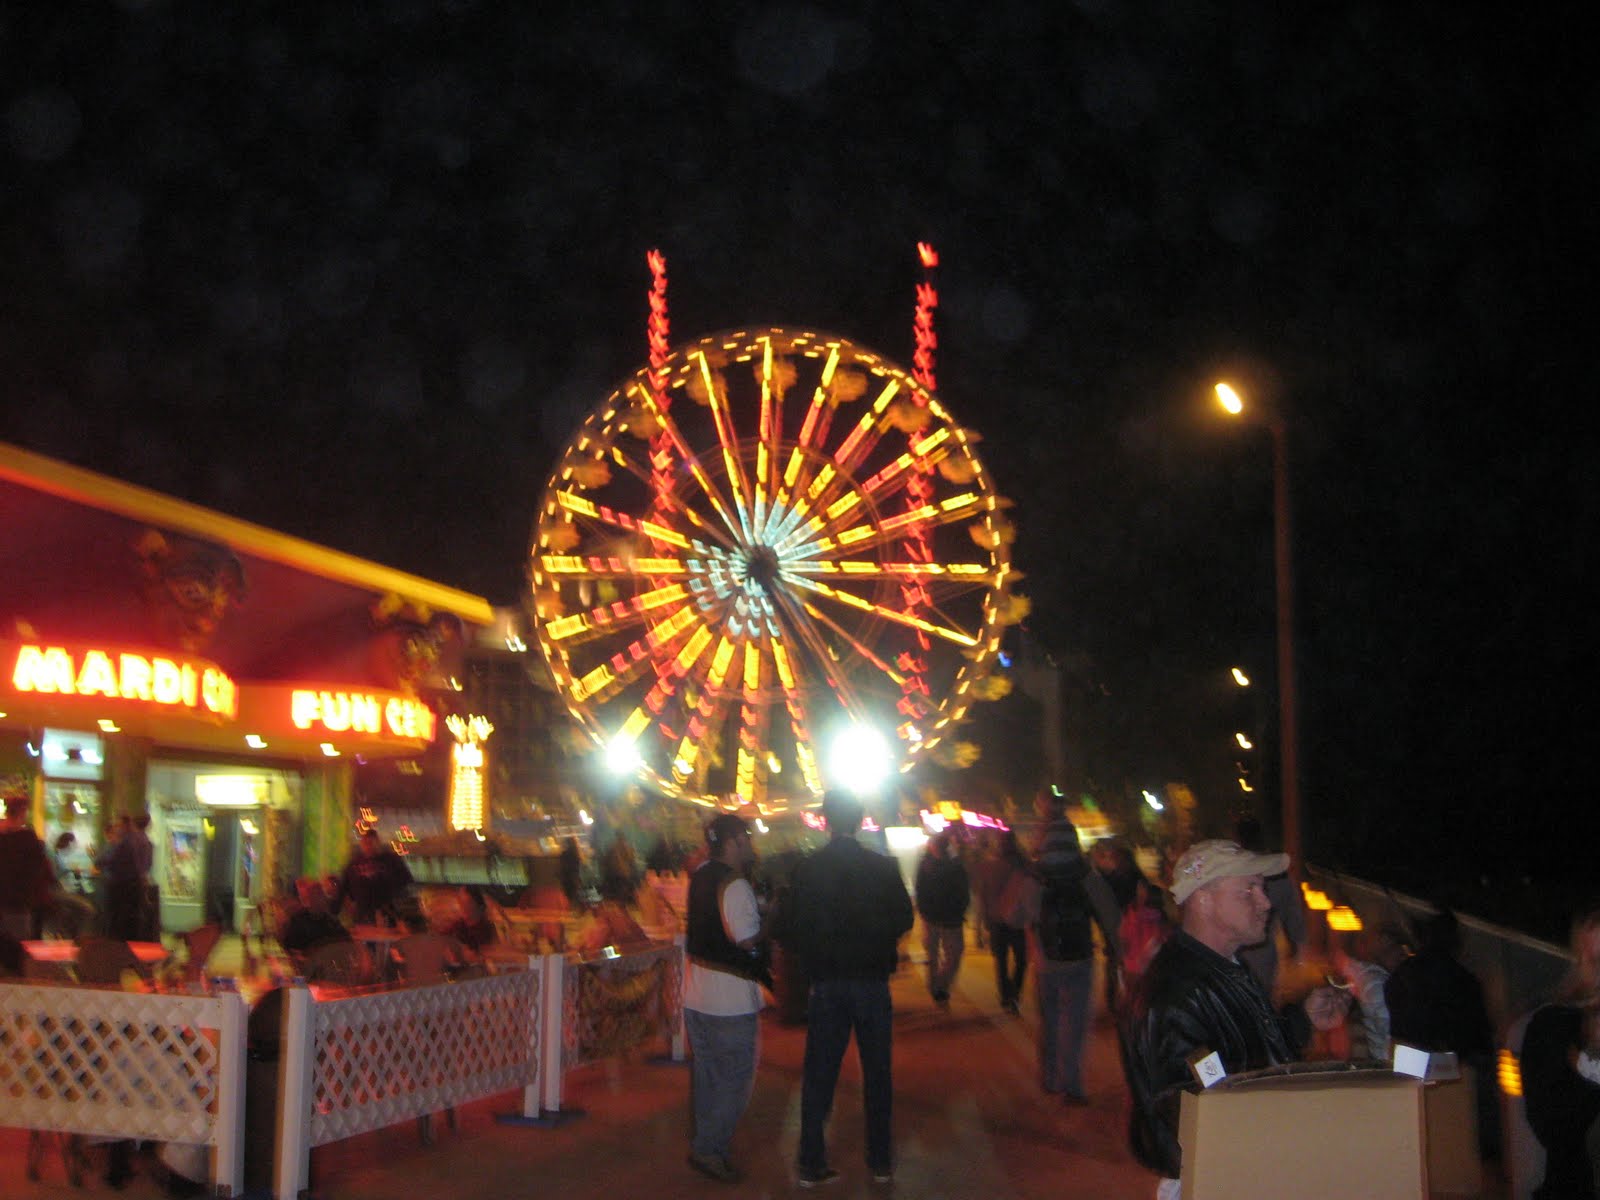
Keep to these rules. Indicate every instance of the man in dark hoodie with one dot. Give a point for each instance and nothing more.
(847, 911)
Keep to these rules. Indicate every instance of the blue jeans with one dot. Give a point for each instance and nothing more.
(838, 1007)
(1063, 990)
(722, 1074)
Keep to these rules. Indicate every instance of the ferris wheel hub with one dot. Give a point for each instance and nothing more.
(761, 567)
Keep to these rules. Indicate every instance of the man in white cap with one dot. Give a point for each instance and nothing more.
(1196, 998)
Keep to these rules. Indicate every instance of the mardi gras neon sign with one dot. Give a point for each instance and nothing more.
(173, 682)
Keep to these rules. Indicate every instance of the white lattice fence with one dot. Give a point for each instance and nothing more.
(120, 1064)
(385, 1057)
(359, 1063)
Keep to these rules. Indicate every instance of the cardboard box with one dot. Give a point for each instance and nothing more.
(1268, 1135)
(1451, 1115)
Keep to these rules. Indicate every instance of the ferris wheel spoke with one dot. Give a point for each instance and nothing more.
(885, 530)
(970, 574)
(854, 643)
(582, 506)
(776, 375)
(795, 705)
(596, 566)
(627, 665)
(710, 711)
(813, 429)
(691, 461)
(754, 717)
(850, 600)
(577, 628)
(830, 668)
(722, 422)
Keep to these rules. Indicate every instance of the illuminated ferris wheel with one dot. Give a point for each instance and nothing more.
(757, 544)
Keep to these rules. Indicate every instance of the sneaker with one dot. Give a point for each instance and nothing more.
(811, 1177)
(882, 1174)
(716, 1168)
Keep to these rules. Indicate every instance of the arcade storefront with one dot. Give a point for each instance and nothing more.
(157, 657)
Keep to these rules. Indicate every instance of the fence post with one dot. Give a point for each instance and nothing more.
(291, 1169)
(541, 997)
(680, 1038)
(227, 1169)
(552, 1012)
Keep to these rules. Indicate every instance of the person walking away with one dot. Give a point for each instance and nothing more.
(721, 996)
(26, 877)
(1065, 899)
(846, 913)
(1561, 1072)
(943, 894)
(1288, 911)
(1001, 877)
(1437, 1004)
(1197, 997)
(374, 881)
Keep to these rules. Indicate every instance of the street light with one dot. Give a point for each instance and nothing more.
(1233, 404)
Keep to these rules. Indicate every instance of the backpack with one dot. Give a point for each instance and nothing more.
(1064, 914)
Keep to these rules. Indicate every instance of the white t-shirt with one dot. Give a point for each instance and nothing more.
(721, 993)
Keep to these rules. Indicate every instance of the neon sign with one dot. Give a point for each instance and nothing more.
(467, 770)
(361, 712)
(168, 681)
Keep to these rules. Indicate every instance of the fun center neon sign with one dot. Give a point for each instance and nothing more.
(164, 681)
(361, 712)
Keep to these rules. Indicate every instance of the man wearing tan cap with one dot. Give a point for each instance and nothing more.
(1197, 998)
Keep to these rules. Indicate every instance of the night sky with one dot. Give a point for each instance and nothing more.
(356, 272)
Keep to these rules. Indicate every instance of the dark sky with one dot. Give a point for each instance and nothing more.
(357, 271)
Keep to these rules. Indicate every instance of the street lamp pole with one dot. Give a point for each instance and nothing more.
(1283, 574)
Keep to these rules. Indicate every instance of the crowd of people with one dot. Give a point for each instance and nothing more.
(1187, 976)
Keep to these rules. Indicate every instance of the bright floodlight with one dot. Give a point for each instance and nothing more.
(859, 759)
(1229, 399)
(622, 756)
(1150, 799)
(1240, 677)
(1244, 742)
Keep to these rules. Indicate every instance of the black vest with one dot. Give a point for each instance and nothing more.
(705, 938)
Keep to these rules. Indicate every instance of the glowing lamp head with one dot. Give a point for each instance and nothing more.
(1232, 403)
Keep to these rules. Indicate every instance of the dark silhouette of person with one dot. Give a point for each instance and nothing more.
(1436, 1004)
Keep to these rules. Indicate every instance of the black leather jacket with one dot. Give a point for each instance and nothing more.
(1191, 1000)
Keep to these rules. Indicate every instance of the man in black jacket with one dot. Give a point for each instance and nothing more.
(1197, 997)
(847, 911)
